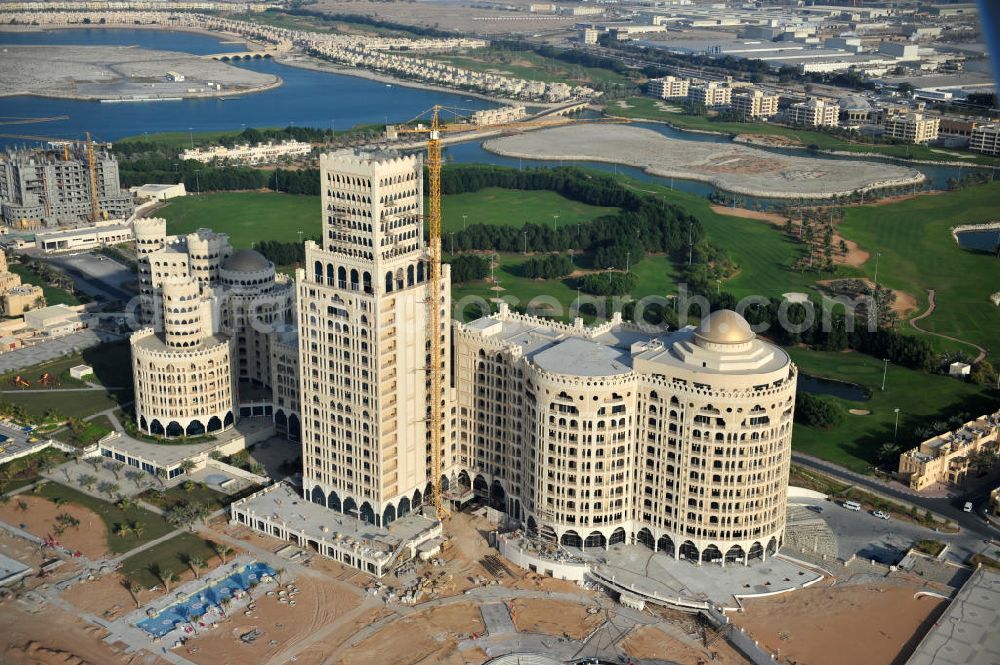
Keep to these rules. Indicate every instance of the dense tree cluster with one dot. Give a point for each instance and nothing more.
(609, 283)
(547, 267)
(816, 412)
(371, 21)
(469, 267)
(283, 253)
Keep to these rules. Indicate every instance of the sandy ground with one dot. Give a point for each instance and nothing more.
(769, 140)
(90, 538)
(102, 72)
(554, 617)
(652, 643)
(732, 167)
(865, 623)
(855, 256)
(319, 603)
(902, 305)
(423, 637)
(54, 637)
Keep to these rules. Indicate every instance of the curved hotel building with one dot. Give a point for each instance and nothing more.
(603, 435)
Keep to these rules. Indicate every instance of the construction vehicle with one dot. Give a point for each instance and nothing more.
(19, 382)
(433, 130)
(47, 379)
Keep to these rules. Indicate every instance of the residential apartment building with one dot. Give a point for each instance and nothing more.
(596, 436)
(48, 187)
(710, 95)
(499, 115)
(985, 139)
(260, 153)
(668, 87)
(912, 128)
(948, 458)
(17, 298)
(814, 113)
(363, 302)
(753, 104)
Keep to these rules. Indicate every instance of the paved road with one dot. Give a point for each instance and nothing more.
(973, 523)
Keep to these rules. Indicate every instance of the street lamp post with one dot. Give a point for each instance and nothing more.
(555, 222)
(452, 234)
(464, 217)
(525, 242)
(885, 370)
(877, 255)
(895, 427)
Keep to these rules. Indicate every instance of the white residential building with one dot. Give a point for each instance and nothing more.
(711, 95)
(753, 104)
(261, 153)
(985, 139)
(668, 87)
(814, 113)
(912, 128)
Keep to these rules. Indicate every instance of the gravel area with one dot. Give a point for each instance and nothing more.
(120, 72)
(735, 168)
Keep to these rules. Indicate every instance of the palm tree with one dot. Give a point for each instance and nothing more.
(187, 466)
(137, 528)
(197, 564)
(224, 551)
(122, 530)
(169, 579)
(161, 475)
(133, 588)
(22, 505)
(86, 481)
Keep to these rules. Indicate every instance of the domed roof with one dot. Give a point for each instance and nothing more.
(724, 326)
(855, 102)
(246, 260)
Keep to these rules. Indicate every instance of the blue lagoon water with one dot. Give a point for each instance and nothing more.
(307, 98)
(183, 611)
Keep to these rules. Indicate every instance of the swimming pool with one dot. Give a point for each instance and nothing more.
(196, 605)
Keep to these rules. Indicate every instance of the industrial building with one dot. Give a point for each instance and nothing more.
(64, 184)
(205, 302)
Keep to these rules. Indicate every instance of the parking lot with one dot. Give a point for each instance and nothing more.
(97, 275)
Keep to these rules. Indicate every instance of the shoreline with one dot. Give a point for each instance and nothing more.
(51, 27)
(145, 100)
(835, 153)
(313, 63)
(699, 177)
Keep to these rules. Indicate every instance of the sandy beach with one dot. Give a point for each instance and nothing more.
(122, 73)
(734, 168)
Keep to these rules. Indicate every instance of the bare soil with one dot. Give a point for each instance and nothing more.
(865, 623)
(649, 642)
(285, 629)
(90, 538)
(554, 617)
(52, 636)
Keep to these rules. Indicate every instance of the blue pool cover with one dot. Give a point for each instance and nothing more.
(183, 611)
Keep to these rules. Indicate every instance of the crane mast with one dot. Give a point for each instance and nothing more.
(434, 302)
(95, 207)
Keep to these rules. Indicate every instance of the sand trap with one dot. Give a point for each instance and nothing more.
(90, 538)
(859, 412)
(732, 167)
(865, 623)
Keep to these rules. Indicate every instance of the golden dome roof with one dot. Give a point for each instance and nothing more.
(724, 326)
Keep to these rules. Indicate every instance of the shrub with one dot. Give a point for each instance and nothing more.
(817, 412)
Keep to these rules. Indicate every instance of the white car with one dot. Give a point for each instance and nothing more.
(881, 514)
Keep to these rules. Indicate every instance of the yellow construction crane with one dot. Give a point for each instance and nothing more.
(433, 132)
(88, 144)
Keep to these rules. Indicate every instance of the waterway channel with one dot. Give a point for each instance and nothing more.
(306, 98)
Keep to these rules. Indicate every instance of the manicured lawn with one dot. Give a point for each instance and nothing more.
(53, 295)
(921, 398)
(656, 277)
(918, 254)
(154, 526)
(25, 470)
(512, 207)
(247, 217)
(93, 430)
(170, 557)
(528, 65)
(177, 495)
(70, 404)
(645, 108)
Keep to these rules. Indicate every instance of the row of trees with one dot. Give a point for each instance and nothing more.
(547, 267)
(283, 253)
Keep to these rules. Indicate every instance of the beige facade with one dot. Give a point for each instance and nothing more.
(260, 153)
(184, 379)
(17, 298)
(947, 458)
(985, 139)
(912, 128)
(668, 87)
(711, 94)
(594, 436)
(233, 302)
(363, 339)
(814, 113)
(751, 104)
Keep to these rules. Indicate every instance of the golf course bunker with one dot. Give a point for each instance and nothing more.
(735, 168)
